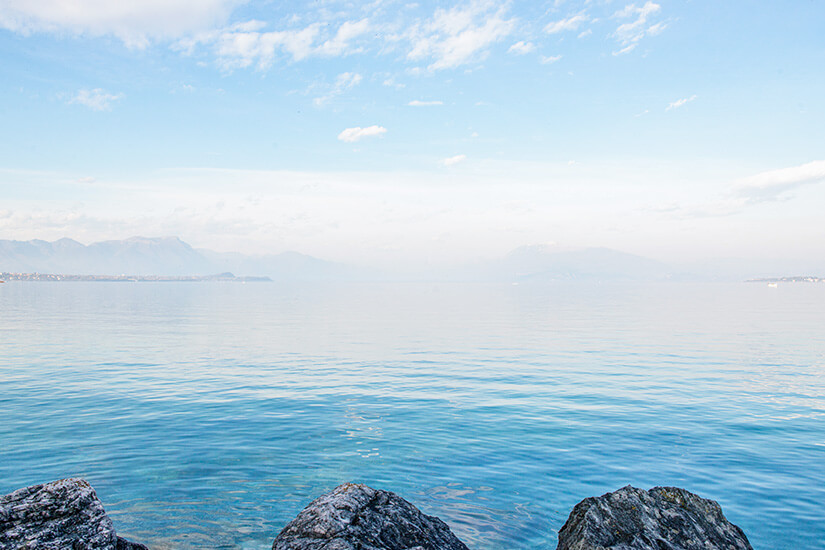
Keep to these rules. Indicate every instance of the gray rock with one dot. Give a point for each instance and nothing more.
(357, 517)
(64, 514)
(663, 518)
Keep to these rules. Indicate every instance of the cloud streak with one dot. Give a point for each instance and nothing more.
(452, 161)
(549, 59)
(521, 48)
(351, 135)
(571, 23)
(679, 102)
(772, 185)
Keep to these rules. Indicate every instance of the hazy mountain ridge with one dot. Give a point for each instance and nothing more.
(170, 256)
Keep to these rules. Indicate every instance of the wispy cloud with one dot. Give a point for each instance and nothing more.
(96, 99)
(549, 59)
(679, 102)
(418, 103)
(135, 22)
(357, 133)
(521, 47)
(340, 44)
(631, 33)
(243, 45)
(457, 36)
(571, 23)
(772, 185)
(247, 44)
(452, 161)
(343, 82)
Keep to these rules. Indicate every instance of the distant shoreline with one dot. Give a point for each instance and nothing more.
(60, 277)
(804, 279)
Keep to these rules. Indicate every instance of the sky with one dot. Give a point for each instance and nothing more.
(388, 132)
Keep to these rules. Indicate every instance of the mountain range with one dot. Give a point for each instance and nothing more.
(158, 256)
(170, 256)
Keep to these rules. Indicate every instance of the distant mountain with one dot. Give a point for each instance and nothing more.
(546, 263)
(134, 256)
(170, 256)
(158, 256)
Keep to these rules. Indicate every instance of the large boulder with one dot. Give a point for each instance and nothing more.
(663, 518)
(357, 517)
(64, 514)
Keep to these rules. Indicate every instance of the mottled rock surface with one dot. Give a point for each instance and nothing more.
(357, 517)
(64, 514)
(663, 518)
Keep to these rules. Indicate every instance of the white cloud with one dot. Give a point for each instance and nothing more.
(418, 103)
(390, 82)
(571, 23)
(679, 102)
(340, 43)
(135, 22)
(457, 36)
(247, 44)
(585, 34)
(769, 186)
(521, 47)
(451, 161)
(241, 45)
(97, 99)
(343, 82)
(549, 59)
(656, 29)
(630, 34)
(351, 135)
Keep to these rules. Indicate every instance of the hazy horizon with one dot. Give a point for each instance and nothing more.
(406, 133)
(171, 256)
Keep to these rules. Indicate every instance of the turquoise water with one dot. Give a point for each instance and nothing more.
(208, 415)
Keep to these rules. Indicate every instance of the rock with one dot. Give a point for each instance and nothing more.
(123, 544)
(64, 514)
(663, 518)
(357, 517)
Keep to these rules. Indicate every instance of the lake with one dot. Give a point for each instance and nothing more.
(207, 415)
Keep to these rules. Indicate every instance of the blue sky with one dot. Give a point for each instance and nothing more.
(435, 132)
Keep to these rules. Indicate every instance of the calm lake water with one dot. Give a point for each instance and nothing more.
(207, 415)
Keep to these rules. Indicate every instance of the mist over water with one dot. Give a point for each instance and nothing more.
(207, 415)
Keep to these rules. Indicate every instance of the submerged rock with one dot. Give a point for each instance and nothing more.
(357, 517)
(64, 514)
(663, 518)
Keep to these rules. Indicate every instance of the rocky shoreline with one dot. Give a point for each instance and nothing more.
(66, 514)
